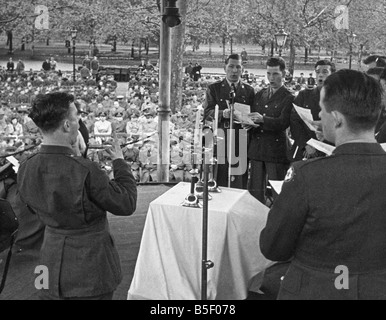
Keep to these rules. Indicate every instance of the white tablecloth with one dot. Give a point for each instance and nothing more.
(169, 261)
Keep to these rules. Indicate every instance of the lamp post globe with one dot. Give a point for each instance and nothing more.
(281, 39)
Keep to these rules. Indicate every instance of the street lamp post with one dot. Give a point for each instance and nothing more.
(351, 39)
(170, 19)
(73, 36)
(281, 38)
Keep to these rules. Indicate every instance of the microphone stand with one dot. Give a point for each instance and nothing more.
(192, 200)
(232, 97)
(199, 189)
(213, 187)
(205, 263)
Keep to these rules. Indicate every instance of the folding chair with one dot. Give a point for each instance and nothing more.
(8, 230)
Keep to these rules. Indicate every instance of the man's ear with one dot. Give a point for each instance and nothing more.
(66, 126)
(338, 118)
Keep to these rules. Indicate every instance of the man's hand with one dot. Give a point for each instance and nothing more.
(247, 126)
(319, 135)
(317, 125)
(226, 114)
(256, 117)
(115, 151)
(238, 115)
(310, 152)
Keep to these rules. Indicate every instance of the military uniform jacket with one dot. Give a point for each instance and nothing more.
(269, 142)
(330, 213)
(308, 99)
(218, 93)
(71, 195)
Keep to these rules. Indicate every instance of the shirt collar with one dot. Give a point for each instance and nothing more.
(359, 148)
(230, 83)
(56, 150)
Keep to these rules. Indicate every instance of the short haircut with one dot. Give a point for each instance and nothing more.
(383, 75)
(326, 62)
(49, 110)
(276, 62)
(379, 60)
(356, 95)
(233, 57)
(377, 71)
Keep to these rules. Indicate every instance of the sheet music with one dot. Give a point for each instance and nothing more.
(323, 147)
(242, 112)
(276, 185)
(306, 116)
(14, 162)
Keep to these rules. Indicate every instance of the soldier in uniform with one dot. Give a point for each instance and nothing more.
(131, 155)
(148, 157)
(308, 99)
(218, 93)
(118, 123)
(330, 214)
(176, 162)
(268, 147)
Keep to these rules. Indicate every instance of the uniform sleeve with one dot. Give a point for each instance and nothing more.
(285, 220)
(283, 121)
(210, 104)
(118, 196)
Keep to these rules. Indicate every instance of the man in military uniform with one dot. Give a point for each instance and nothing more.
(330, 216)
(148, 157)
(131, 155)
(218, 93)
(176, 162)
(269, 142)
(308, 99)
(118, 123)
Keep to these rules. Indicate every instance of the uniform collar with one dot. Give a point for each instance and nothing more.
(230, 83)
(56, 150)
(359, 148)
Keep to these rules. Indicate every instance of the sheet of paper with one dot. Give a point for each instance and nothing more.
(244, 109)
(14, 162)
(323, 147)
(276, 185)
(383, 145)
(306, 116)
(241, 114)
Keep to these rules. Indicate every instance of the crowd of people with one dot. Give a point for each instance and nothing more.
(307, 231)
(132, 116)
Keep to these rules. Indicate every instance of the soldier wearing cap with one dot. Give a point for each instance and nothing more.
(122, 102)
(149, 125)
(118, 123)
(131, 155)
(148, 157)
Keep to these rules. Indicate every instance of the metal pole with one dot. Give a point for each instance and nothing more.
(73, 55)
(164, 97)
(350, 57)
(204, 265)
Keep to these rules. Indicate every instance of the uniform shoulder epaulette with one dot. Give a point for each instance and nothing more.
(302, 164)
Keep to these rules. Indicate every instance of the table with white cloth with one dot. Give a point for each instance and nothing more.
(169, 260)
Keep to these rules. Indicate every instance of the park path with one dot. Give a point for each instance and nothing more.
(68, 67)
